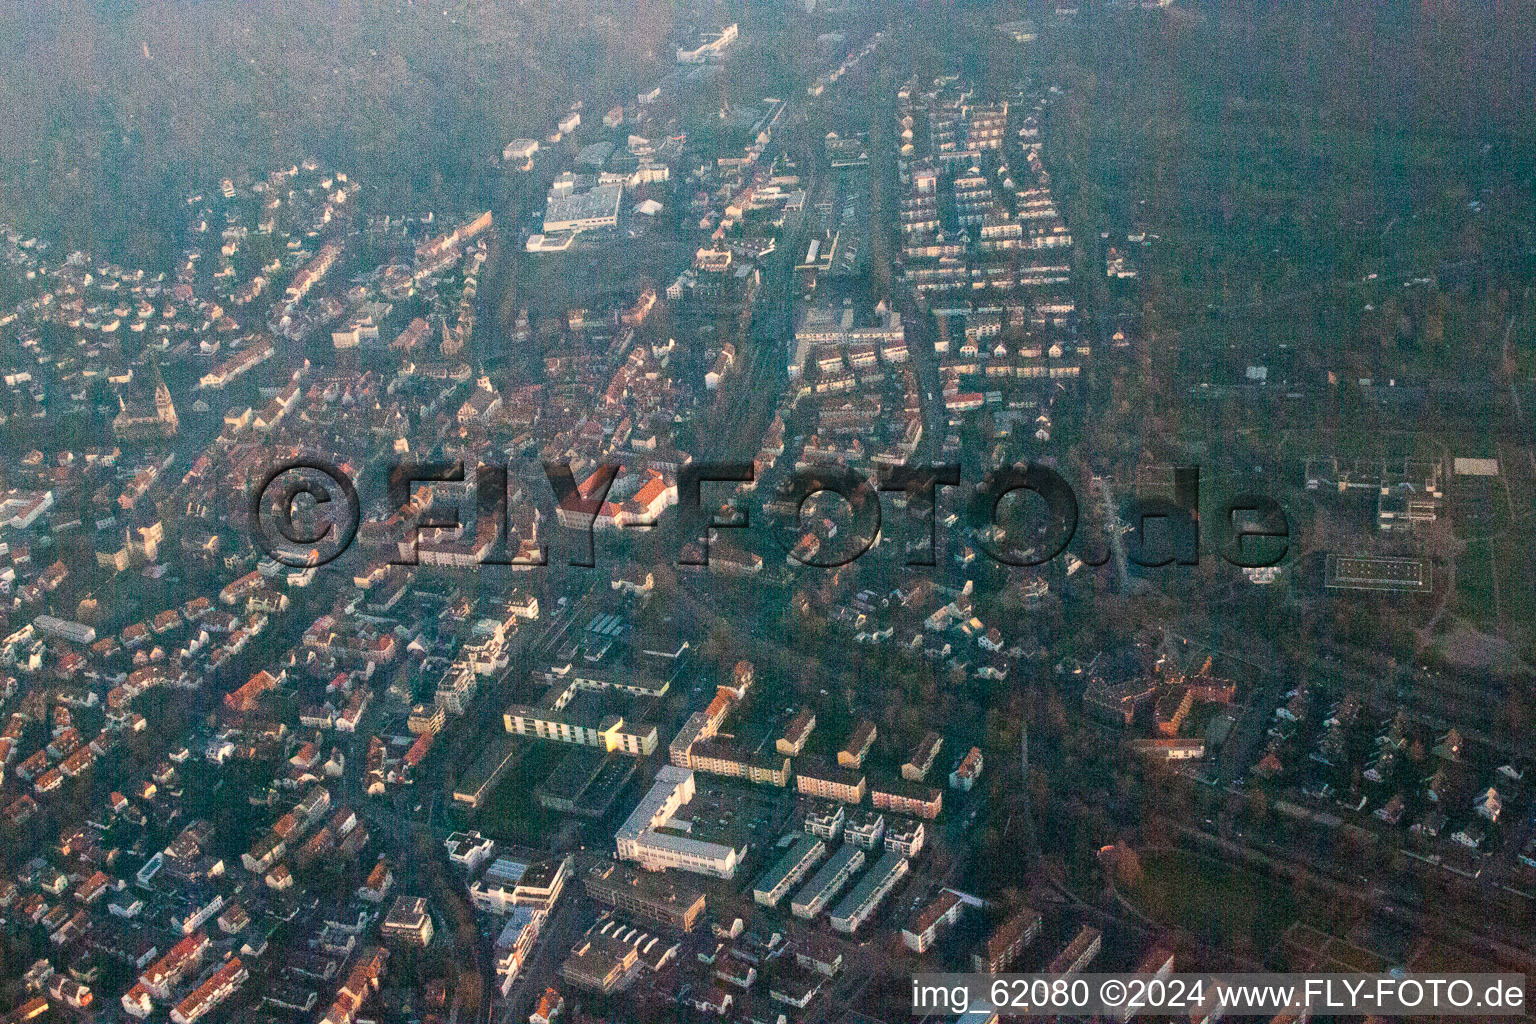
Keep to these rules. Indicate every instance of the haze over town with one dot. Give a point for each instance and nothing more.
(514, 747)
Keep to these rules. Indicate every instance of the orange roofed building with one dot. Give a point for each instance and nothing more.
(247, 697)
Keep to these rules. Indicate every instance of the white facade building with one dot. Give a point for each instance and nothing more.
(640, 839)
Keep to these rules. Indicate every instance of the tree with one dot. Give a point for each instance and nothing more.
(1121, 864)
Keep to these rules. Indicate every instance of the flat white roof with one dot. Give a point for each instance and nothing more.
(600, 202)
(1476, 467)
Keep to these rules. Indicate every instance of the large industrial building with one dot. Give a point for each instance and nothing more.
(648, 837)
(645, 896)
(571, 212)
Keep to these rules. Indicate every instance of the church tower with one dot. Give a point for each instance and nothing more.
(165, 409)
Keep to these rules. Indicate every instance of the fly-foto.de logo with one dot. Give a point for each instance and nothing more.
(307, 512)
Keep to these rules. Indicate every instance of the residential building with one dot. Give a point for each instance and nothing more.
(796, 733)
(967, 771)
(904, 836)
(797, 861)
(425, 718)
(719, 757)
(819, 953)
(818, 778)
(408, 922)
(864, 898)
(610, 732)
(166, 973)
(814, 896)
(222, 984)
(1003, 946)
(1079, 953)
(1158, 963)
(923, 928)
(859, 741)
(826, 823)
(514, 943)
(914, 798)
(864, 829)
(916, 767)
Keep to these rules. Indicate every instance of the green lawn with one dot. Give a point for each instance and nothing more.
(1475, 583)
(1517, 583)
(1222, 906)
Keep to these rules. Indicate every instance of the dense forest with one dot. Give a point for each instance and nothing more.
(113, 111)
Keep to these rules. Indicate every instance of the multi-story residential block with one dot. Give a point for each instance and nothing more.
(425, 718)
(826, 822)
(916, 767)
(166, 973)
(923, 928)
(859, 741)
(456, 690)
(828, 880)
(818, 778)
(408, 922)
(967, 771)
(797, 861)
(904, 836)
(514, 943)
(796, 733)
(904, 797)
(864, 829)
(768, 768)
(1004, 945)
(864, 898)
(222, 984)
(1078, 953)
(610, 732)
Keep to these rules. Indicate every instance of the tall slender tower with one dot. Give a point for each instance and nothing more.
(165, 409)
